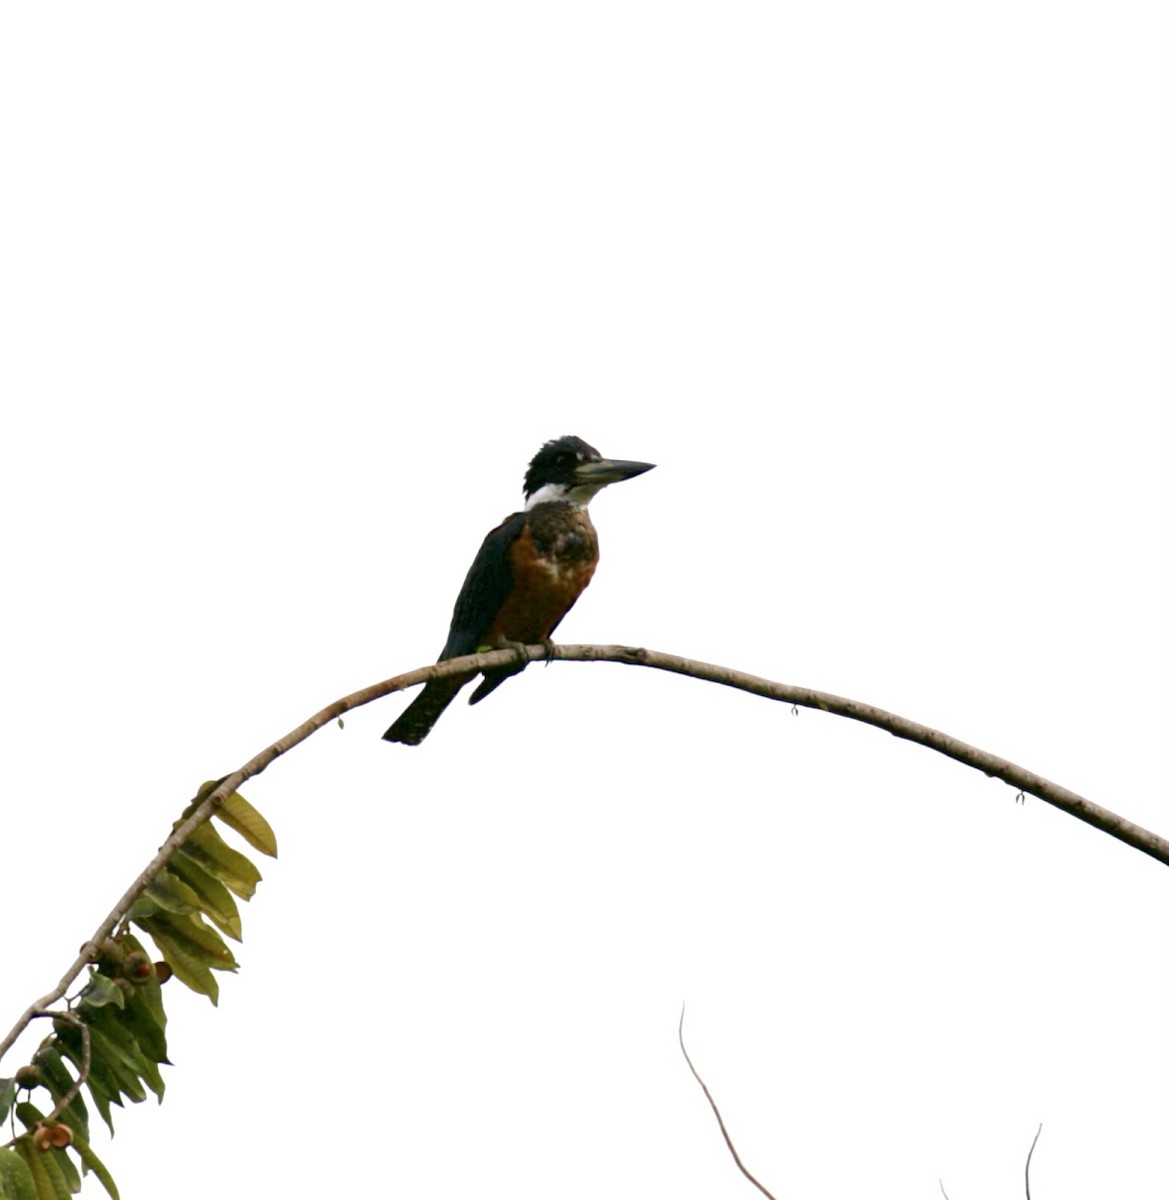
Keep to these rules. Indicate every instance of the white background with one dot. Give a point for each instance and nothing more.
(291, 294)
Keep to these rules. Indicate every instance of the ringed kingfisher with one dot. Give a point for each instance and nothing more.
(528, 573)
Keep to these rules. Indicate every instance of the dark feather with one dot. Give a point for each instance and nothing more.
(488, 583)
(482, 595)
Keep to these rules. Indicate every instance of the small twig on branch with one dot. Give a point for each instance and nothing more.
(1126, 831)
(714, 1108)
(1027, 1168)
(83, 1072)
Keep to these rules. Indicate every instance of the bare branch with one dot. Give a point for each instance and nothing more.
(1027, 1168)
(1023, 780)
(714, 1108)
(1018, 777)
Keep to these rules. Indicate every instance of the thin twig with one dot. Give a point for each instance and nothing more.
(717, 1114)
(1126, 831)
(83, 1072)
(1027, 1168)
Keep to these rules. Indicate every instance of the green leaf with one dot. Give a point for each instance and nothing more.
(28, 1114)
(198, 939)
(16, 1181)
(62, 1164)
(212, 853)
(171, 893)
(91, 1162)
(7, 1095)
(59, 1165)
(125, 1047)
(188, 969)
(142, 907)
(59, 1170)
(48, 1183)
(101, 1096)
(238, 814)
(60, 1081)
(101, 1101)
(51, 1065)
(214, 899)
(120, 1063)
(100, 991)
(148, 1033)
(125, 1062)
(196, 931)
(154, 1080)
(101, 1082)
(106, 1023)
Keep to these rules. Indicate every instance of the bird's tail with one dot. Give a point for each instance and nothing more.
(491, 680)
(430, 703)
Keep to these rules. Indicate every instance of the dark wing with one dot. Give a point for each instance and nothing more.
(484, 591)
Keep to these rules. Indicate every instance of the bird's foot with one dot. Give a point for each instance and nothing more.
(525, 658)
(522, 647)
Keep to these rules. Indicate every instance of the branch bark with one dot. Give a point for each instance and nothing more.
(718, 1115)
(1018, 777)
(1145, 840)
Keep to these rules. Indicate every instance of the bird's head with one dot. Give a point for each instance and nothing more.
(570, 469)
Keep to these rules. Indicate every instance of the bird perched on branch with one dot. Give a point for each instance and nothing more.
(528, 573)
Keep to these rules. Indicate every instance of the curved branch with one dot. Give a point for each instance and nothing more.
(1027, 1168)
(717, 1115)
(1018, 777)
(1126, 831)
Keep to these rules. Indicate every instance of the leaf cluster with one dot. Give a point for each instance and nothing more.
(112, 1037)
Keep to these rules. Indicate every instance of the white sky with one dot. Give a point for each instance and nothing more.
(290, 295)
